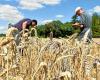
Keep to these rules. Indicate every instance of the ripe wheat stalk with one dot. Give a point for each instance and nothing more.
(48, 59)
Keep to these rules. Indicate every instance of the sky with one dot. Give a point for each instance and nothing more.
(11, 11)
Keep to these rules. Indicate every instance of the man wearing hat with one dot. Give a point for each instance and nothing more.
(84, 25)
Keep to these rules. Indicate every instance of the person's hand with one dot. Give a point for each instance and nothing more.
(76, 24)
(25, 35)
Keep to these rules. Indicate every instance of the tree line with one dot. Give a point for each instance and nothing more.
(60, 29)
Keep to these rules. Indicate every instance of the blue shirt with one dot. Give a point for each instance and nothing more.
(20, 23)
(86, 19)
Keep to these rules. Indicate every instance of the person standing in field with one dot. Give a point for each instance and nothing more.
(84, 25)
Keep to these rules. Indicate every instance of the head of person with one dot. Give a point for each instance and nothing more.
(34, 23)
(79, 11)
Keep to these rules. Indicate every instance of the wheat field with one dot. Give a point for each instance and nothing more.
(46, 59)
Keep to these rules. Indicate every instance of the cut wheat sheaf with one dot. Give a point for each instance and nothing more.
(48, 59)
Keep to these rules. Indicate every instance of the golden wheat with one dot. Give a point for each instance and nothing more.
(49, 59)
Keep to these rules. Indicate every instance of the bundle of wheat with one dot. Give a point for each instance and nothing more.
(10, 31)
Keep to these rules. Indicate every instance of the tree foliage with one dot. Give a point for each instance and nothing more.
(60, 29)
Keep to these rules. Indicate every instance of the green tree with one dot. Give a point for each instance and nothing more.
(95, 19)
(2, 35)
(96, 24)
(74, 19)
(54, 27)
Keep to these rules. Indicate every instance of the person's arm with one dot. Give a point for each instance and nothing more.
(24, 26)
(78, 25)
